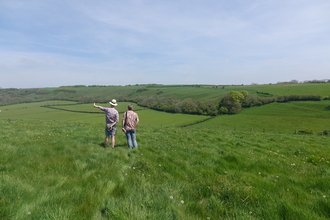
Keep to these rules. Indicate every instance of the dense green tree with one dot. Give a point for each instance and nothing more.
(250, 100)
(231, 102)
(237, 96)
(188, 106)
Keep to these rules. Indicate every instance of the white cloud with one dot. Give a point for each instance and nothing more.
(228, 42)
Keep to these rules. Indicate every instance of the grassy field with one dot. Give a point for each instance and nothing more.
(279, 117)
(206, 92)
(59, 170)
(245, 166)
(322, 89)
(71, 111)
(201, 92)
(121, 107)
(275, 117)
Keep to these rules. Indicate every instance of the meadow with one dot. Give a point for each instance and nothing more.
(249, 165)
(276, 117)
(195, 92)
(72, 111)
(59, 170)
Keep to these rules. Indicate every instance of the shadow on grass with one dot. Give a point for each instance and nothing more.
(109, 145)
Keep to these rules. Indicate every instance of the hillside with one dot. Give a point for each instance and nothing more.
(59, 170)
(195, 92)
(249, 165)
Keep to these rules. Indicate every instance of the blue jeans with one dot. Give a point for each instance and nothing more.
(131, 138)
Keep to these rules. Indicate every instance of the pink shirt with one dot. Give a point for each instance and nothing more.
(130, 117)
(111, 115)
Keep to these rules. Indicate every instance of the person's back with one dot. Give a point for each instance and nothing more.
(129, 122)
(111, 114)
(111, 118)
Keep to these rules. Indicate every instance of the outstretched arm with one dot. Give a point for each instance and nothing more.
(97, 106)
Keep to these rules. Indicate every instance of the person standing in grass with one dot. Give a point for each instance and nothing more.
(111, 119)
(129, 123)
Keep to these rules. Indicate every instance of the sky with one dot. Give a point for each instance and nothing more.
(52, 43)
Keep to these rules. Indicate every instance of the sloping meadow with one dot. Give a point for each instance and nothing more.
(73, 111)
(59, 170)
(291, 117)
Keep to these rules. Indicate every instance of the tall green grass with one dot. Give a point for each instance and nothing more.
(276, 117)
(59, 170)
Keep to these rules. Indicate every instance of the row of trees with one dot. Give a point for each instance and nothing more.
(306, 81)
(174, 105)
(230, 103)
(289, 98)
(233, 102)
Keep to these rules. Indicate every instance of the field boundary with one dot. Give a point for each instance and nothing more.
(197, 122)
(68, 110)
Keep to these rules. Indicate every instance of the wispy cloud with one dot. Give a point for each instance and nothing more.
(143, 41)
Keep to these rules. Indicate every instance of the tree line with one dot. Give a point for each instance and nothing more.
(230, 103)
(306, 81)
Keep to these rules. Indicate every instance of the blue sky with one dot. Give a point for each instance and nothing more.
(51, 43)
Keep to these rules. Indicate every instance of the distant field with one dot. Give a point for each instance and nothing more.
(205, 92)
(275, 117)
(200, 92)
(147, 117)
(151, 117)
(121, 107)
(322, 89)
(34, 111)
(279, 117)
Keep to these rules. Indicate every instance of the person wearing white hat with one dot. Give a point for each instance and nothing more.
(111, 119)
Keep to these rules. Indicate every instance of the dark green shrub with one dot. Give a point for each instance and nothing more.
(306, 131)
(325, 132)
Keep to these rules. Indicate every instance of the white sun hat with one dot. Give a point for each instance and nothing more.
(113, 102)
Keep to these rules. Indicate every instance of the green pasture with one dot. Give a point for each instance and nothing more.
(71, 111)
(195, 92)
(201, 92)
(112, 92)
(183, 92)
(152, 118)
(85, 108)
(276, 117)
(59, 170)
(322, 89)
(34, 111)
